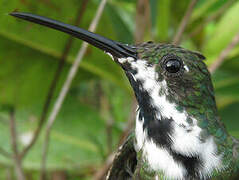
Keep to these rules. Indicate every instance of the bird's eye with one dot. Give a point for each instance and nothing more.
(172, 64)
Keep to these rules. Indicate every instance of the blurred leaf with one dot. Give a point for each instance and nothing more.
(201, 9)
(226, 83)
(177, 12)
(122, 22)
(223, 33)
(230, 118)
(71, 144)
(163, 18)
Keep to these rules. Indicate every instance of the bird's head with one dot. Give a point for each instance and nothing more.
(171, 82)
(154, 70)
(169, 71)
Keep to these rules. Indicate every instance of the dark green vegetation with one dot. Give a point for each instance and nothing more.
(80, 144)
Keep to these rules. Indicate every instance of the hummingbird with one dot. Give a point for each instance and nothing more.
(178, 134)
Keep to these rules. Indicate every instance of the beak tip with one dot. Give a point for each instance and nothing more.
(18, 14)
(15, 14)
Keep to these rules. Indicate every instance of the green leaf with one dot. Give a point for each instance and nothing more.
(224, 31)
(229, 115)
(201, 9)
(163, 19)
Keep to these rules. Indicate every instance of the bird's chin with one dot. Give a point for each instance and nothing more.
(124, 63)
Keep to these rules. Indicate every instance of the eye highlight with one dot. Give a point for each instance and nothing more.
(172, 64)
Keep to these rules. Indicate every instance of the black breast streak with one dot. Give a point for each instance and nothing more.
(143, 98)
(192, 164)
(159, 131)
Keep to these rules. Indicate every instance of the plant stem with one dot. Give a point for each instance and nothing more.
(178, 36)
(16, 158)
(65, 88)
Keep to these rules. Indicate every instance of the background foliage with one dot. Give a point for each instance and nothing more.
(80, 141)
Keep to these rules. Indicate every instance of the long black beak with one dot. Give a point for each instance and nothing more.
(116, 49)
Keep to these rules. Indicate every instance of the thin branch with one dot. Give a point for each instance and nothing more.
(9, 174)
(178, 36)
(16, 157)
(211, 18)
(142, 20)
(99, 175)
(66, 87)
(224, 54)
(59, 175)
(54, 83)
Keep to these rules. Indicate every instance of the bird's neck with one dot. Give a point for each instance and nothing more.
(171, 140)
